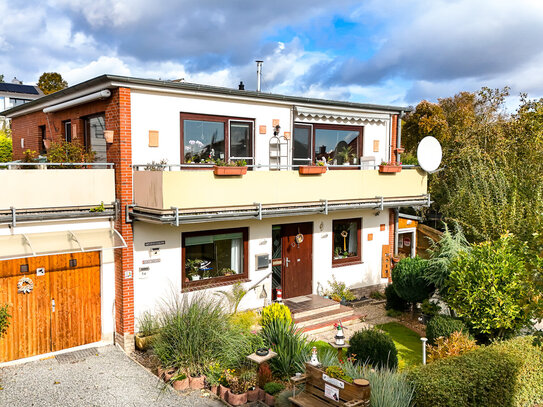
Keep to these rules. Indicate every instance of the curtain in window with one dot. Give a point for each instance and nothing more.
(235, 255)
(353, 238)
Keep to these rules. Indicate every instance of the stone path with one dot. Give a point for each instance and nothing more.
(103, 376)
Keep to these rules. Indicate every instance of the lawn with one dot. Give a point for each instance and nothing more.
(407, 342)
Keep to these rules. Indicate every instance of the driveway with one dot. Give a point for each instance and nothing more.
(103, 376)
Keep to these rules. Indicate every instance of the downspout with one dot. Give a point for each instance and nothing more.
(399, 136)
(396, 220)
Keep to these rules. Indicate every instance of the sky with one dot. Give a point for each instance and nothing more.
(396, 52)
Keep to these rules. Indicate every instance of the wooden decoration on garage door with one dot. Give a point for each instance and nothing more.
(61, 311)
(386, 262)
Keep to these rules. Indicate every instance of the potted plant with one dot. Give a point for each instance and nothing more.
(192, 269)
(223, 168)
(237, 394)
(272, 389)
(345, 154)
(148, 329)
(180, 381)
(318, 168)
(197, 380)
(389, 167)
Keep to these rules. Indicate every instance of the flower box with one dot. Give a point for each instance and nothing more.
(311, 169)
(389, 168)
(144, 342)
(229, 170)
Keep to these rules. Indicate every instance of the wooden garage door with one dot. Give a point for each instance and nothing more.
(36, 325)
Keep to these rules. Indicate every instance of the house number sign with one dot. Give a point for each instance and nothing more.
(25, 285)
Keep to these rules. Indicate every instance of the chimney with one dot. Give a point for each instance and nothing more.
(241, 86)
(258, 74)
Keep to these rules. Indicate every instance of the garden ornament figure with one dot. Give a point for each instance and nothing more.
(340, 338)
(314, 360)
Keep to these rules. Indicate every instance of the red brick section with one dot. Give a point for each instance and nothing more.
(391, 227)
(118, 119)
(394, 138)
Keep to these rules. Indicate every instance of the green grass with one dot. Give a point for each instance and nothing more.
(407, 342)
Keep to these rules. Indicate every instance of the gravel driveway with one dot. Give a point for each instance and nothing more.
(103, 376)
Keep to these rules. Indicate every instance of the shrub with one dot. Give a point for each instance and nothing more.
(377, 295)
(505, 374)
(389, 388)
(4, 319)
(456, 344)
(147, 324)
(29, 156)
(274, 388)
(244, 320)
(274, 312)
(66, 152)
(374, 347)
(6, 147)
(394, 301)
(444, 326)
(430, 308)
(290, 344)
(195, 332)
(492, 288)
(339, 291)
(337, 372)
(409, 281)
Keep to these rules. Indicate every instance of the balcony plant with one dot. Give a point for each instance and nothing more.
(389, 167)
(223, 168)
(345, 155)
(318, 168)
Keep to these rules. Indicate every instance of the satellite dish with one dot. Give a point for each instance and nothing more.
(429, 154)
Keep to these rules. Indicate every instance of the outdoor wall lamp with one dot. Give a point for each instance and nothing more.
(276, 130)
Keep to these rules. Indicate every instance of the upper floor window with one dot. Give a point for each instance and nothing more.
(43, 136)
(346, 241)
(18, 101)
(338, 145)
(94, 137)
(211, 138)
(67, 130)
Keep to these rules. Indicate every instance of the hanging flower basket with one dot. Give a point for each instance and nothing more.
(311, 169)
(229, 170)
(388, 168)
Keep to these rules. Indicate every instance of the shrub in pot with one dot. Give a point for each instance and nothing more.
(272, 389)
(180, 381)
(373, 347)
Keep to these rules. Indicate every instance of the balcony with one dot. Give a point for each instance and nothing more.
(56, 188)
(202, 191)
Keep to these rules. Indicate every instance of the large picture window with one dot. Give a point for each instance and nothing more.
(206, 139)
(214, 256)
(346, 242)
(94, 137)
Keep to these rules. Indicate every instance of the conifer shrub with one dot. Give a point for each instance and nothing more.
(442, 325)
(374, 347)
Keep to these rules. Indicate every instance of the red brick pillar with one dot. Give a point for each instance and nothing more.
(118, 119)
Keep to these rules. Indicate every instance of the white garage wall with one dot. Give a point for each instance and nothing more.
(164, 278)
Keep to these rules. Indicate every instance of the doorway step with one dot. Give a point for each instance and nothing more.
(314, 314)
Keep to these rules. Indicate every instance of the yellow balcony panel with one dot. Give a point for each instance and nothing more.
(202, 189)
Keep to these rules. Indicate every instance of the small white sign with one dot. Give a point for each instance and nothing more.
(331, 392)
(128, 274)
(143, 272)
(331, 380)
(40, 271)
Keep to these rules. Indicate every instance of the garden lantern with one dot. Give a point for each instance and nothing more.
(340, 337)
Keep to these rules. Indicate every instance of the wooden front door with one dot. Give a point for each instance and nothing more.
(297, 267)
(61, 311)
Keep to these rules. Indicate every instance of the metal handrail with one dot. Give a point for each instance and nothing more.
(168, 167)
(47, 164)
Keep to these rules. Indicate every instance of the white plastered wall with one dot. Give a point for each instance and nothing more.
(164, 278)
(107, 270)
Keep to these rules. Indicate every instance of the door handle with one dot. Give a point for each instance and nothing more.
(53, 305)
(287, 261)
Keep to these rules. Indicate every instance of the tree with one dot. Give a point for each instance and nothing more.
(409, 282)
(51, 82)
(491, 289)
(1, 78)
(6, 147)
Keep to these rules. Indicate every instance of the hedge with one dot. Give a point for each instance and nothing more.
(505, 374)
(442, 325)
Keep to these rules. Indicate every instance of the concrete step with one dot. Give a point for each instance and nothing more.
(328, 325)
(326, 308)
(321, 317)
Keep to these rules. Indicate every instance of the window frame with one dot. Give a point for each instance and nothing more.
(226, 120)
(65, 125)
(43, 136)
(349, 260)
(188, 285)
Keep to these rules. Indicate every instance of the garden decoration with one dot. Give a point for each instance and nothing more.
(314, 359)
(340, 337)
(344, 235)
(25, 285)
(262, 352)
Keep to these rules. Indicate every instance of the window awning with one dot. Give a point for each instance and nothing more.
(45, 244)
(340, 115)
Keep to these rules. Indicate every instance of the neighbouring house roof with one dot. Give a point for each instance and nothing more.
(113, 81)
(16, 88)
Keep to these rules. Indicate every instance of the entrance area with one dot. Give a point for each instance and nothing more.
(54, 303)
(292, 262)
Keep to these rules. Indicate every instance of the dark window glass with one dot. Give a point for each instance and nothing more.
(43, 134)
(339, 146)
(241, 141)
(94, 137)
(68, 131)
(301, 145)
(346, 240)
(203, 140)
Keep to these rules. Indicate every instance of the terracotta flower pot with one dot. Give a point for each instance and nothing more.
(47, 144)
(311, 169)
(236, 399)
(389, 168)
(197, 382)
(144, 342)
(261, 394)
(168, 374)
(228, 170)
(253, 395)
(223, 391)
(270, 400)
(214, 390)
(181, 384)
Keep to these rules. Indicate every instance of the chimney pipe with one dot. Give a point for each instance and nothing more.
(241, 86)
(258, 74)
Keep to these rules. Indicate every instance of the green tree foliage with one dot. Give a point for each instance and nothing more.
(492, 290)
(409, 281)
(51, 82)
(4, 319)
(1, 78)
(6, 146)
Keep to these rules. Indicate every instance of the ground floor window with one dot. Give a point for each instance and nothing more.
(346, 241)
(211, 257)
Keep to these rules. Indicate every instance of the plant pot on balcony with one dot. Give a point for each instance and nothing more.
(144, 342)
(108, 136)
(311, 169)
(385, 169)
(229, 170)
